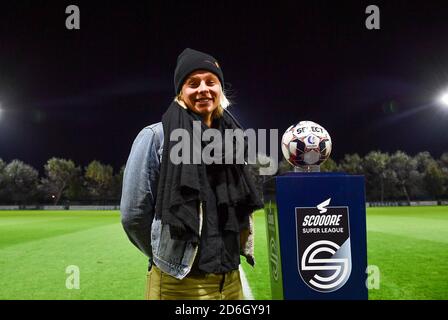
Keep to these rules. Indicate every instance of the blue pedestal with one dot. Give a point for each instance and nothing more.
(316, 224)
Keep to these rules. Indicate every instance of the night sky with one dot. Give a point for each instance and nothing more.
(85, 94)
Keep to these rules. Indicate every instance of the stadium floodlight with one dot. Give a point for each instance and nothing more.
(444, 99)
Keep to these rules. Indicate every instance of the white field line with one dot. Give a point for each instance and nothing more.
(247, 292)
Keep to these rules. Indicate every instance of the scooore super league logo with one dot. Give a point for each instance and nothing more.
(323, 243)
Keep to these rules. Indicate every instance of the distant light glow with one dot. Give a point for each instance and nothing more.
(444, 99)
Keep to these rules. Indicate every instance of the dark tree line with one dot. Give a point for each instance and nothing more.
(63, 183)
(389, 177)
(395, 177)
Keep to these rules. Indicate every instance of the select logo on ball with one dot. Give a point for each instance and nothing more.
(306, 143)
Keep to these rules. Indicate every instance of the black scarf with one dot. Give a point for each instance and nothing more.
(181, 186)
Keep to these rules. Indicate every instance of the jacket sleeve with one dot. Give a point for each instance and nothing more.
(139, 187)
(247, 241)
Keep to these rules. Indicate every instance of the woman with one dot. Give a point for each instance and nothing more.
(191, 219)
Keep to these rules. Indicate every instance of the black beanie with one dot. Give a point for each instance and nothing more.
(191, 60)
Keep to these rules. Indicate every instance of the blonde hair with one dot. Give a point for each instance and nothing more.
(218, 112)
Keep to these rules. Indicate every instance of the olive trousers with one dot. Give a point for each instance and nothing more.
(211, 286)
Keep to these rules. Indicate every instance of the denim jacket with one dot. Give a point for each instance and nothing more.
(137, 207)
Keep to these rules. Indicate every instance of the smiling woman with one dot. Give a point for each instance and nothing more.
(192, 220)
(201, 93)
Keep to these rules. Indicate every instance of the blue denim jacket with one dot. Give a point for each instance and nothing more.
(137, 207)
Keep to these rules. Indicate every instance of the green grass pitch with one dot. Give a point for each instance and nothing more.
(408, 244)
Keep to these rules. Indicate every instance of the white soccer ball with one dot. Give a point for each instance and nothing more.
(306, 144)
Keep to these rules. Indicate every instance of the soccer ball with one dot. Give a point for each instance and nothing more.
(306, 144)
